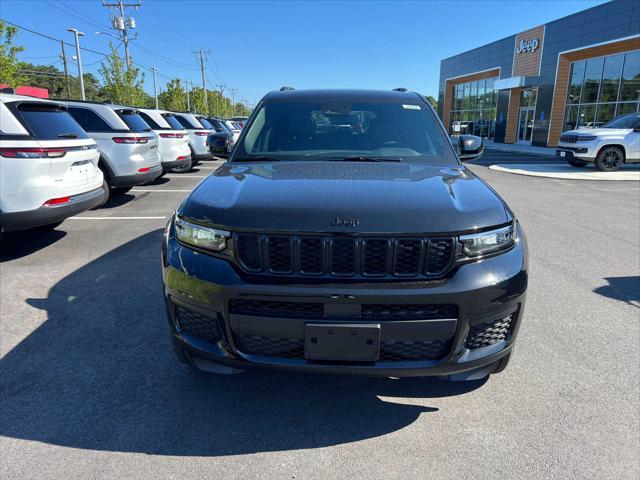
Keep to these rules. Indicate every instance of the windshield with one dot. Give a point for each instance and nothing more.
(337, 129)
(134, 121)
(625, 121)
(171, 120)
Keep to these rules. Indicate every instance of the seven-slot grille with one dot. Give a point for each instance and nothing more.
(569, 138)
(344, 256)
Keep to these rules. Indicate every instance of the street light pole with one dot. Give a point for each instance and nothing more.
(77, 34)
(155, 91)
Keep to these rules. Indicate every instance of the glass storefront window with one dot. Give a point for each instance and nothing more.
(601, 89)
(570, 118)
(575, 84)
(592, 76)
(630, 90)
(474, 109)
(611, 78)
(628, 107)
(606, 112)
(586, 116)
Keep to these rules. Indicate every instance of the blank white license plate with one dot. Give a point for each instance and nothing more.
(562, 154)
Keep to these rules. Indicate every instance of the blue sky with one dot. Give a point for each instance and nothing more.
(260, 46)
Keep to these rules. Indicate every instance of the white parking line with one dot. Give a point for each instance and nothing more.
(140, 190)
(116, 218)
(178, 175)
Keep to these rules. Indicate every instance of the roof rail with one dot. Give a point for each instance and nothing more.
(400, 89)
(286, 89)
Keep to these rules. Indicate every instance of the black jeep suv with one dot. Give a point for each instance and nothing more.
(344, 236)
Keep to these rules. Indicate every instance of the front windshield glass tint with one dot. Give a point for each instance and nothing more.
(626, 121)
(335, 129)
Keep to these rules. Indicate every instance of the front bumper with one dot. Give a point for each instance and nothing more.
(585, 151)
(10, 221)
(483, 292)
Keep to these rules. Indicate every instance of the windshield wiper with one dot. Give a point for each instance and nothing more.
(68, 135)
(362, 158)
(257, 159)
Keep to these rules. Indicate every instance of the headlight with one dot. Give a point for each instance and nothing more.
(201, 237)
(479, 244)
(586, 138)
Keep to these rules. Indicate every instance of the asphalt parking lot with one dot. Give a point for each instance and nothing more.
(90, 387)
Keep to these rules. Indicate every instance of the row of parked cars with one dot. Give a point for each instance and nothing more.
(59, 158)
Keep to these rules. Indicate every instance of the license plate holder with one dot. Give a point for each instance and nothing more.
(346, 342)
(563, 153)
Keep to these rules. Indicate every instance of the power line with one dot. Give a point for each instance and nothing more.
(69, 11)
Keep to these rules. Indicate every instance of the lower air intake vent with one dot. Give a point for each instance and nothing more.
(197, 324)
(489, 333)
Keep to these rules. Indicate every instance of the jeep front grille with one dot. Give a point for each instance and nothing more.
(340, 256)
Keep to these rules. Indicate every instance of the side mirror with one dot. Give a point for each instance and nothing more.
(470, 147)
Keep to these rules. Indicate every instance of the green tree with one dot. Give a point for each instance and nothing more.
(120, 84)
(433, 102)
(241, 110)
(8, 56)
(174, 99)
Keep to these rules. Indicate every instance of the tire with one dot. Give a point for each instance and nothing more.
(574, 162)
(107, 194)
(120, 190)
(610, 159)
(184, 168)
(501, 364)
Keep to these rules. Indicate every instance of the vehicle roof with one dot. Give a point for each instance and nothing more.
(342, 94)
(11, 97)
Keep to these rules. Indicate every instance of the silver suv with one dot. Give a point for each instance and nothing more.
(608, 147)
(128, 147)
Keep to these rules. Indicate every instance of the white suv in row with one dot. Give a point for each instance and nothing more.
(198, 133)
(173, 139)
(48, 165)
(608, 147)
(128, 147)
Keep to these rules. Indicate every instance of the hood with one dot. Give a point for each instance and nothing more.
(345, 197)
(598, 131)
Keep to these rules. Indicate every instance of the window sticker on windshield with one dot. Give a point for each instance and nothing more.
(411, 107)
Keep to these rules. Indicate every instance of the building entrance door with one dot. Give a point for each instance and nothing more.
(525, 125)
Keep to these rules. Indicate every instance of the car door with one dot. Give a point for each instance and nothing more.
(633, 143)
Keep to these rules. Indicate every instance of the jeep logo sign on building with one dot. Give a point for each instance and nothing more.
(527, 52)
(529, 46)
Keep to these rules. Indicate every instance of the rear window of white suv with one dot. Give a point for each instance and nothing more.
(134, 121)
(49, 122)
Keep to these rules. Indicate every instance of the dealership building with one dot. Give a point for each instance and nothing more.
(576, 72)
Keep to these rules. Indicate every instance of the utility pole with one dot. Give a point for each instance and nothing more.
(155, 91)
(186, 88)
(204, 78)
(121, 23)
(77, 34)
(233, 92)
(66, 72)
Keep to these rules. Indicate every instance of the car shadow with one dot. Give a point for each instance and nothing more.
(625, 289)
(116, 201)
(160, 181)
(14, 245)
(99, 374)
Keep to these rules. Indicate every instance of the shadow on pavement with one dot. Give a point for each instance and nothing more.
(625, 289)
(117, 201)
(99, 374)
(19, 244)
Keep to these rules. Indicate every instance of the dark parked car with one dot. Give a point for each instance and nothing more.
(366, 249)
(220, 143)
